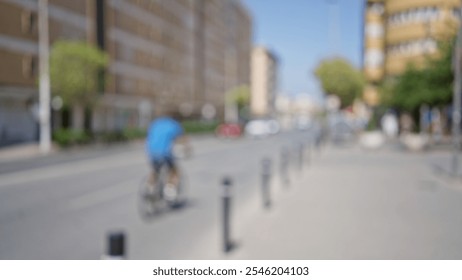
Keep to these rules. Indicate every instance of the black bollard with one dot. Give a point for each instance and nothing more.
(226, 196)
(301, 150)
(308, 157)
(116, 245)
(266, 178)
(319, 138)
(285, 166)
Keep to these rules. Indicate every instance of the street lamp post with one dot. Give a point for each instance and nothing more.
(456, 112)
(44, 79)
(334, 33)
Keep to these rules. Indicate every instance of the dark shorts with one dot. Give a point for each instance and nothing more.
(158, 162)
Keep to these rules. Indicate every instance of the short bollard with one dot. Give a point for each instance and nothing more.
(265, 181)
(285, 166)
(115, 246)
(295, 156)
(318, 140)
(308, 157)
(226, 196)
(301, 150)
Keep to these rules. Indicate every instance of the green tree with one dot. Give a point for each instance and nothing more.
(338, 77)
(240, 98)
(386, 90)
(75, 73)
(440, 76)
(410, 90)
(430, 84)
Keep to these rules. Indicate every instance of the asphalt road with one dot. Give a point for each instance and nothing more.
(349, 204)
(62, 207)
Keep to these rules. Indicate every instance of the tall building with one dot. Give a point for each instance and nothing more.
(166, 56)
(151, 50)
(171, 56)
(69, 20)
(226, 28)
(398, 32)
(264, 82)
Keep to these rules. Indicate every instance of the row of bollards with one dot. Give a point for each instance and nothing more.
(116, 241)
(266, 172)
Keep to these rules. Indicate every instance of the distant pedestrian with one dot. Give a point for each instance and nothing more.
(389, 124)
(436, 125)
(406, 122)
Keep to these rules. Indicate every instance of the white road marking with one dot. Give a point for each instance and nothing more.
(66, 169)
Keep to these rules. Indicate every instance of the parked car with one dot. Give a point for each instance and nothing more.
(262, 128)
(303, 123)
(228, 130)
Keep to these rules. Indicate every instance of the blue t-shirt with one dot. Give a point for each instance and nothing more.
(161, 136)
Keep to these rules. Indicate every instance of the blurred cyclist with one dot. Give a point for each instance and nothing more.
(163, 133)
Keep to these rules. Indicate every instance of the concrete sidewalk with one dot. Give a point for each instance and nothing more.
(351, 204)
(21, 151)
(32, 149)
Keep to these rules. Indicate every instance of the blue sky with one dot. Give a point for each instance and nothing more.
(298, 32)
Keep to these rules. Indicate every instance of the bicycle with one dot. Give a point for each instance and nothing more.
(152, 199)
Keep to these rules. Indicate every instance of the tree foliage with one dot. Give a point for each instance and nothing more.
(386, 89)
(240, 96)
(431, 84)
(340, 78)
(75, 69)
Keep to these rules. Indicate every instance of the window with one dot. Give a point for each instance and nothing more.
(416, 47)
(430, 45)
(374, 58)
(377, 8)
(125, 53)
(29, 22)
(126, 84)
(421, 14)
(415, 15)
(456, 13)
(374, 30)
(30, 66)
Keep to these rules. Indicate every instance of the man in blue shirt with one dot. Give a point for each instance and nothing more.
(162, 135)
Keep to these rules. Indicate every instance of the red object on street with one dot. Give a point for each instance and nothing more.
(229, 130)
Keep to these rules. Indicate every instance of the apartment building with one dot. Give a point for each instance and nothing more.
(151, 50)
(264, 82)
(174, 56)
(226, 34)
(398, 32)
(19, 59)
(166, 56)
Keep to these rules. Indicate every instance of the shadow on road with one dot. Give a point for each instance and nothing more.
(166, 210)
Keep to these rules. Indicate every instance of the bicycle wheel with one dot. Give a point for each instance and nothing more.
(181, 196)
(149, 199)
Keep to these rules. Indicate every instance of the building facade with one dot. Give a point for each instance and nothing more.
(166, 56)
(19, 56)
(398, 32)
(263, 82)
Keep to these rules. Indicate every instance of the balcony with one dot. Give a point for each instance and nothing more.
(394, 6)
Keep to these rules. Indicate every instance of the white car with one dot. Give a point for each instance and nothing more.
(261, 128)
(303, 123)
(273, 126)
